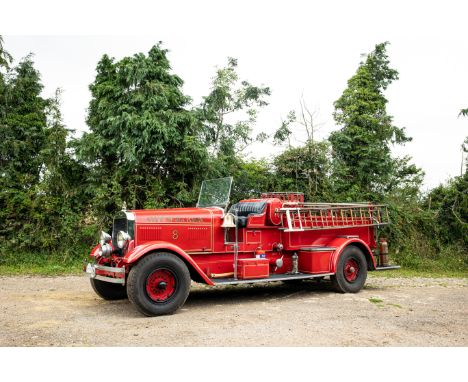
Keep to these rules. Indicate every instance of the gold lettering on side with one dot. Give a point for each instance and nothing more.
(165, 219)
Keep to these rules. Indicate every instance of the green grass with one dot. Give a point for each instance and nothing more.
(40, 264)
(409, 273)
(63, 264)
(422, 258)
(41, 269)
(375, 300)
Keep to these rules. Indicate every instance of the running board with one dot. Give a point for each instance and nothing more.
(387, 268)
(298, 276)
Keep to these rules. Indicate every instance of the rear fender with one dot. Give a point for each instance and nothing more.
(138, 252)
(340, 243)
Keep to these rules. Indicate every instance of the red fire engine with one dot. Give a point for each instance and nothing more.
(152, 255)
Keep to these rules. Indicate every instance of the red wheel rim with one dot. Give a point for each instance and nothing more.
(351, 270)
(160, 285)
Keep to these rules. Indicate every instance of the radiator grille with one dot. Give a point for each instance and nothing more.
(120, 224)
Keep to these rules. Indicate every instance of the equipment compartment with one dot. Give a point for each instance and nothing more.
(253, 268)
(315, 259)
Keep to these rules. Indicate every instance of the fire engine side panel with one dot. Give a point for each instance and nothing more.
(189, 228)
(251, 238)
(329, 238)
(199, 234)
(323, 237)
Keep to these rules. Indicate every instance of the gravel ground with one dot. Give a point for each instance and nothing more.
(64, 311)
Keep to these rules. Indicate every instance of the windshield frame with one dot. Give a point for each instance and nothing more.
(206, 197)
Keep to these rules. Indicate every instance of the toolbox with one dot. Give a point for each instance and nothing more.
(253, 268)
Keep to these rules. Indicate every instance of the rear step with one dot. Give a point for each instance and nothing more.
(387, 268)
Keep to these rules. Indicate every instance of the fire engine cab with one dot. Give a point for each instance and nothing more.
(152, 256)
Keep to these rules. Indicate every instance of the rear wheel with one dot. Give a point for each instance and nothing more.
(109, 291)
(351, 271)
(159, 284)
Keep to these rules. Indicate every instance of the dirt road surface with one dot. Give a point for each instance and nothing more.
(64, 311)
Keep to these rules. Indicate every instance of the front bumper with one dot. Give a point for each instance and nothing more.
(104, 273)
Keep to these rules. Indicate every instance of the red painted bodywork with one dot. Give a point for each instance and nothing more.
(196, 236)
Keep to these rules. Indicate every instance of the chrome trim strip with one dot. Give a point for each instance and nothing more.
(130, 215)
(317, 249)
(124, 213)
(91, 272)
(109, 269)
(109, 279)
(270, 279)
(388, 268)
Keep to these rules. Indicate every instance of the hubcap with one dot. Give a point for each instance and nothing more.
(351, 270)
(160, 285)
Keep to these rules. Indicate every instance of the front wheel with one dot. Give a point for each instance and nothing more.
(159, 284)
(351, 271)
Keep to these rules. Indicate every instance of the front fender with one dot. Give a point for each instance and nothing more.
(95, 251)
(340, 243)
(134, 255)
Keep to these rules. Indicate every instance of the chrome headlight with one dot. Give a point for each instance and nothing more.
(122, 238)
(105, 250)
(105, 238)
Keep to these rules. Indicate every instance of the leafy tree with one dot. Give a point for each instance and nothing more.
(251, 178)
(22, 139)
(22, 125)
(305, 169)
(450, 204)
(364, 167)
(464, 113)
(230, 111)
(61, 199)
(144, 145)
(5, 57)
(41, 198)
(284, 132)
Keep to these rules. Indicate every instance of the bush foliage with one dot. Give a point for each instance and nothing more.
(149, 147)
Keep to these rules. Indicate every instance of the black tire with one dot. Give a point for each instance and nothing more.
(145, 289)
(351, 271)
(109, 291)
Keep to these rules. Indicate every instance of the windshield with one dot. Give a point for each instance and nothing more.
(215, 193)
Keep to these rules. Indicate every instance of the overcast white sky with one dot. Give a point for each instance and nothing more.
(294, 47)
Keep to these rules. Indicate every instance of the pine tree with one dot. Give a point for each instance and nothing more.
(22, 139)
(144, 144)
(364, 166)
